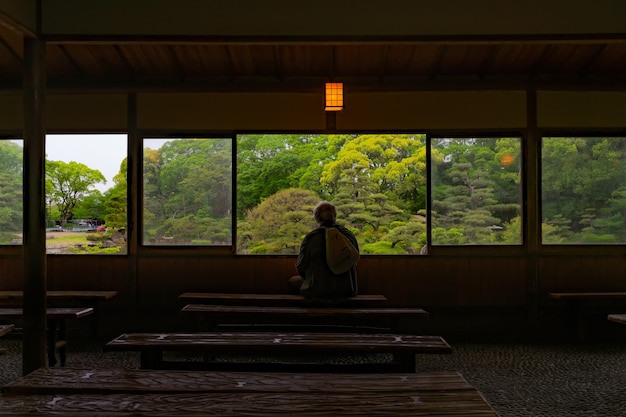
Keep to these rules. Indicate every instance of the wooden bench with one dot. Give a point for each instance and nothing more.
(575, 306)
(53, 296)
(363, 300)
(393, 318)
(85, 392)
(617, 318)
(57, 298)
(57, 327)
(402, 347)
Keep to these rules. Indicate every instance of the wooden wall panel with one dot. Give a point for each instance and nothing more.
(434, 110)
(581, 273)
(231, 111)
(87, 272)
(11, 272)
(581, 109)
(486, 292)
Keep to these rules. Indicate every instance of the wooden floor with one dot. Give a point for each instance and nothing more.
(116, 393)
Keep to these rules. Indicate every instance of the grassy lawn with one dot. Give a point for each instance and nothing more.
(66, 238)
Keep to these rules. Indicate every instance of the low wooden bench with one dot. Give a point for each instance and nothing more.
(57, 327)
(575, 306)
(393, 318)
(153, 345)
(85, 392)
(363, 300)
(65, 298)
(617, 318)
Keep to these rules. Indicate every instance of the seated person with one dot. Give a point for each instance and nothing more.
(315, 279)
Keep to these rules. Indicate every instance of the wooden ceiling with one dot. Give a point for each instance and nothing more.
(302, 64)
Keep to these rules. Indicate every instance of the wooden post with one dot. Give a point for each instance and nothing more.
(34, 232)
(532, 232)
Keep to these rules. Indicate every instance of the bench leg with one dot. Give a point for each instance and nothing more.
(52, 342)
(576, 319)
(406, 360)
(62, 341)
(151, 359)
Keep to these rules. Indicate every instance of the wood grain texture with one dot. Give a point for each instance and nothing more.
(116, 393)
(64, 295)
(287, 342)
(277, 299)
(94, 381)
(51, 312)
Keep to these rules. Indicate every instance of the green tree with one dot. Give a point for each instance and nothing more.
(188, 192)
(115, 199)
(476, 190)
(11, 217)
(582, 181)
(67, 183)
(279, 223)
(269, 163)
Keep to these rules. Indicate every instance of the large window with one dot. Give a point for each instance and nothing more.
(583, 187)
(11, 206)
(86, 207)
(377, 182)
(476, 191)
(187, 192)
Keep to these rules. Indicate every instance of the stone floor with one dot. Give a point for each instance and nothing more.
(517, 379)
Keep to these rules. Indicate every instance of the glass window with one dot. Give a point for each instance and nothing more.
(187, 192)
(476, 197)
(583, 190)
(86, 194)
(377, 182)
(11, 197)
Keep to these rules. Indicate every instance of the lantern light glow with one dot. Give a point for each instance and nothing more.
(334, 97)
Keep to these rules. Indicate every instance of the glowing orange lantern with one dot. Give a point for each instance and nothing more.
(334, 97)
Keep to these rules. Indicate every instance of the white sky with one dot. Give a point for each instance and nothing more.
(104, 152)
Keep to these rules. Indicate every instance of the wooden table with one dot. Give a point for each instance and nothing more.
(57, 327)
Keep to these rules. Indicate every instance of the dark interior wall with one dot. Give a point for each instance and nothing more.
(486, 291)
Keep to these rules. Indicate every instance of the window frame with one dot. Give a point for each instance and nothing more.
(135, 191)
(482, 249)
(597, 249)
(170, 250)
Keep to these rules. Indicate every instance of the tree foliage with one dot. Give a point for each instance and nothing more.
(377, 181)
(11, 161)
(68, 183)
(188, 192)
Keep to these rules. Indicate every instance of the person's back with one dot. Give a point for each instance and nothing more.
(315, 279)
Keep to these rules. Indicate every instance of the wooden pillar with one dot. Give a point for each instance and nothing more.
(34, 341)
(135, 155)
(532, 195)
